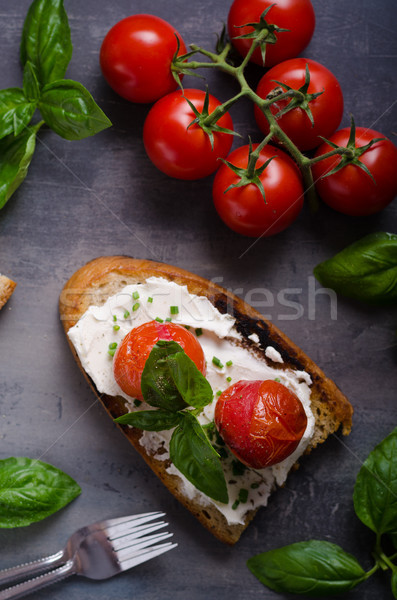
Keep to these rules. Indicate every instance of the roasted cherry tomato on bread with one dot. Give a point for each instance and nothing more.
(131, 355)
(262, 422)
(326, 109)
(351, 190)
(295, 15)
(179, 147)
(136, 57)
(244, 209)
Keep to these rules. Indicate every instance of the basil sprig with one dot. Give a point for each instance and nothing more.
(171, 383)
(66, 106)
(31, 490)
(365, 270)
(319, 568)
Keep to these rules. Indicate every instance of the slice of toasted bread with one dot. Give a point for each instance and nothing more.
(7, 287)
(103, 277)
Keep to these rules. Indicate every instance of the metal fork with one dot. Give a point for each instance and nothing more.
(98, 551)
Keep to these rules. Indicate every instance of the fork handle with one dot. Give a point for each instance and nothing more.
(30, 569)
(31, 585)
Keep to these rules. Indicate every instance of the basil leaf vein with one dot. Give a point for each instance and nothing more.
(70, 110)
(16, 111)
(375, 491)
(190, 382)
(46, 40)
(312, 568)
(150, 420)
(365, 270)
(16, 153)
(31, 490)
(192, 453)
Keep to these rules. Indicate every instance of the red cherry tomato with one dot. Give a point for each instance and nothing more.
(133, 352)
(351, 190)
(295, 15)
(327, 109)
(243, 209)
(175, 148)
(136, 56)
(262, 422)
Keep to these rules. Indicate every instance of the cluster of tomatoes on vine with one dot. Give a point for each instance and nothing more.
(258, 189)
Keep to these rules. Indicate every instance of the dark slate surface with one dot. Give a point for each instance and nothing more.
(103, 196)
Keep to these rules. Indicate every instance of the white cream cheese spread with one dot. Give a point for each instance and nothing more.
(104, 326)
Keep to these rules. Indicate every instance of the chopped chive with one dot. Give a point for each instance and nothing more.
(217, 362)
(126, 314)
(199, 331)
(159, 320)
(137, 402)
(116, 327)
(168, 319)
(277, 379)
(136, 306)
(238, 468)
(135, 295)
(111, 352)
(228, 379)
(114, 318)
(174, 310)
(235, 504)
(113, 346)
(255, 485)
(229, 363)
(243, 495)
(219, 393)
(150, 299)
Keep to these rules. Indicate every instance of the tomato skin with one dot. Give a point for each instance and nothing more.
(327, 109)
(179, 151)
(261, 422)
(296, 15)
(133, 352)
(243, 209)
(351, 191)
(136, 55)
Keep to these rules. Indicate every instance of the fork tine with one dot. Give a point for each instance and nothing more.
(137, 545)
(133, 519)
(118, 527)
(135, 532)
(137, 559)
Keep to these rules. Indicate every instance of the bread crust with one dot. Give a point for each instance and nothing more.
(7, 286)
(93, 283)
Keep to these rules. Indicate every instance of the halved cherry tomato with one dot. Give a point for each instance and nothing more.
(132, 354)
(262, 422)
(136, 56)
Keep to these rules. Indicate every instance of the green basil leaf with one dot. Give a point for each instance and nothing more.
(16, 111)
(15, 155)
(190, 382)
(31, 86)
(158, 387)
(365, 271)
(31, 490)
(375, 491)
(70, 110)
(394, 584)
(192, 453)
(150, 420)
(46, 40)
(312, 568)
